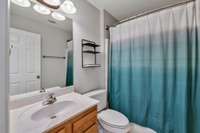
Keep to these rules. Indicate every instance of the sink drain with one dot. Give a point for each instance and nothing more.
(53, 117)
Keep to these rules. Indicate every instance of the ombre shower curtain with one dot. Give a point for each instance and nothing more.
(69, 64)
(154, 70)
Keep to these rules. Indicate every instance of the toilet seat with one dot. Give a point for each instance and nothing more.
(113, 121)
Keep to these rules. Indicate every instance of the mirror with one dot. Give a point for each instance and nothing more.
(41, 50)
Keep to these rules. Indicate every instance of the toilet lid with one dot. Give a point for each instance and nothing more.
(113, 118)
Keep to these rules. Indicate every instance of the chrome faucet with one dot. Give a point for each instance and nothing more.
(42, 90)
(50, 99)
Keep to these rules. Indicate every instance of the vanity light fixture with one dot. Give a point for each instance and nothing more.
(41, 9)
(68, 7)
(57, 8)
(22, 3)
(58, 16)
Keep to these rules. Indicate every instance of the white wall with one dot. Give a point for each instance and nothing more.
(4, 80)
(86, 25)
(108, 20)
(53, 44)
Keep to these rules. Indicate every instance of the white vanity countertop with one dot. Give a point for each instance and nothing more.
(21, 120)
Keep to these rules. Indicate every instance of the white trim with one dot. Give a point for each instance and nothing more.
(4, 65)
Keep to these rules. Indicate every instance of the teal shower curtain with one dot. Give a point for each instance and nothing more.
(69, 64)
(154, 70)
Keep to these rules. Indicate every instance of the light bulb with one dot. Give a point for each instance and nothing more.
(41, 9)
(22, 3)
(58, 16)
(68, 7)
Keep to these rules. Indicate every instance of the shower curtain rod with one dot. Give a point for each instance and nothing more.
(149, 12)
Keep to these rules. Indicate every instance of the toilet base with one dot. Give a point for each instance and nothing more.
(135, 128)
(101, 129)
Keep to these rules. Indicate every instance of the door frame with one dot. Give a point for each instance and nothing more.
(4, 66)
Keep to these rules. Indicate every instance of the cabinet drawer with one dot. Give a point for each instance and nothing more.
(84, 123)
(65, 128)
(92, 129)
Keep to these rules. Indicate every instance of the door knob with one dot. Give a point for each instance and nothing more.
(38, 76)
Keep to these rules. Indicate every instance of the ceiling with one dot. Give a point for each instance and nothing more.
(121, 9)
(29, 13)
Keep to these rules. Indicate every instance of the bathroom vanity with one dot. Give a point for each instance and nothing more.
(85, 122)
(71, 113)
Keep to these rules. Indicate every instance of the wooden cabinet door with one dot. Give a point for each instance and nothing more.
(84, 123)
(92, 129)
(65, 128)
(61, 131)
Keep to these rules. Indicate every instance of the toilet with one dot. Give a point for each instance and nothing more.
(113, 121)
(110, 121)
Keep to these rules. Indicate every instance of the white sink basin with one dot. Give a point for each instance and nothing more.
(51, 111)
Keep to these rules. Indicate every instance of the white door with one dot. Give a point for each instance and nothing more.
(25, 61)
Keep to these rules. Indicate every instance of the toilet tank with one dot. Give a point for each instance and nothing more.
(101, 96)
